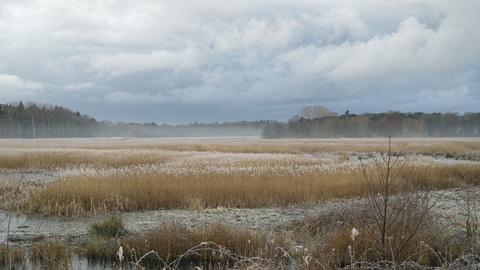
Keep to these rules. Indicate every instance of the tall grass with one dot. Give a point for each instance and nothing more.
(171, 240)
(50, 253)
(203, 180)
(111, 227)
(125, 175)
(49, 153)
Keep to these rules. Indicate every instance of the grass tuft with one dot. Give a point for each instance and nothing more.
(111, 227)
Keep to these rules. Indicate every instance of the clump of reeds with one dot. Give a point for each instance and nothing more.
(11, 255)
(111, 227)
(51, 253)
(212, 243)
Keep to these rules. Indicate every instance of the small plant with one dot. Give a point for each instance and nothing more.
(111, 227)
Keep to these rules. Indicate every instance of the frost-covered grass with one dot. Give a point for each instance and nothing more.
(97, 175)
(212, 179)
(41, 152)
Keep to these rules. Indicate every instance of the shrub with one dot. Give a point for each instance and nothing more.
(111, 227)
(395, 213)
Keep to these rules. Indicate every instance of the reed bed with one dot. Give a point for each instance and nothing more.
(49, 253)
(212, 179)
(70, 157)
(23, 153)
(171, 240)
(213, 245)
(97, 175)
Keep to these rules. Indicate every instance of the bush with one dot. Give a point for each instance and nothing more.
(395, 214)
(109, 228)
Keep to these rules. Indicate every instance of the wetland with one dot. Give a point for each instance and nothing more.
(237, 188)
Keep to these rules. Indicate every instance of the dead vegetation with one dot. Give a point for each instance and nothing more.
(210, 180)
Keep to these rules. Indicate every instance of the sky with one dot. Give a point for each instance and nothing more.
(179, 62)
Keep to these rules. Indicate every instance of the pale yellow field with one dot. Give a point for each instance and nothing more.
(256, 145)
(96, 175)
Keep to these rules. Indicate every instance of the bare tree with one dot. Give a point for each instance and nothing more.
(317, 111)
(307, 112)
(320, 112)
(394, 211)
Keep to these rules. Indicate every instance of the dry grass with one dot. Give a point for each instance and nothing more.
(319, 242)
(106, 175)
(52, 153)
(111, 227)
(15, 254)
(50, 253)
(204, 180)
(328, 239)
(169, 240)
(127, 175)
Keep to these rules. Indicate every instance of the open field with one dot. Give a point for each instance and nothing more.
(98, 176)
(256, 145)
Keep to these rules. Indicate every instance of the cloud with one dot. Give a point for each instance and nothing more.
(246, 33)
(337, 25)
(263, 54)
(78, 86)
(121, 97)
(13, 88)
(72, 64)
(125, 63)
(455, 99)
(187, 95)
(413, 50)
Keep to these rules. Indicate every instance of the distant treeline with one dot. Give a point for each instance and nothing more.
(36, 120)
(32, 120)
(392, 123)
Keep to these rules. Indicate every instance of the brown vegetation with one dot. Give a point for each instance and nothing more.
(205, 183)
(127, 179)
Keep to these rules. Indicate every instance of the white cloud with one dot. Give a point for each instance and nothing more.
(78, 86)
(125, 63)
(413, 50)
(121, 97)
(248, 33)
(338, 23)
(13, 87)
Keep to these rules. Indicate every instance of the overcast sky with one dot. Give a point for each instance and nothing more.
(177, 62)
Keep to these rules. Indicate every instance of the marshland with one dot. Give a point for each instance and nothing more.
(240, 203)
